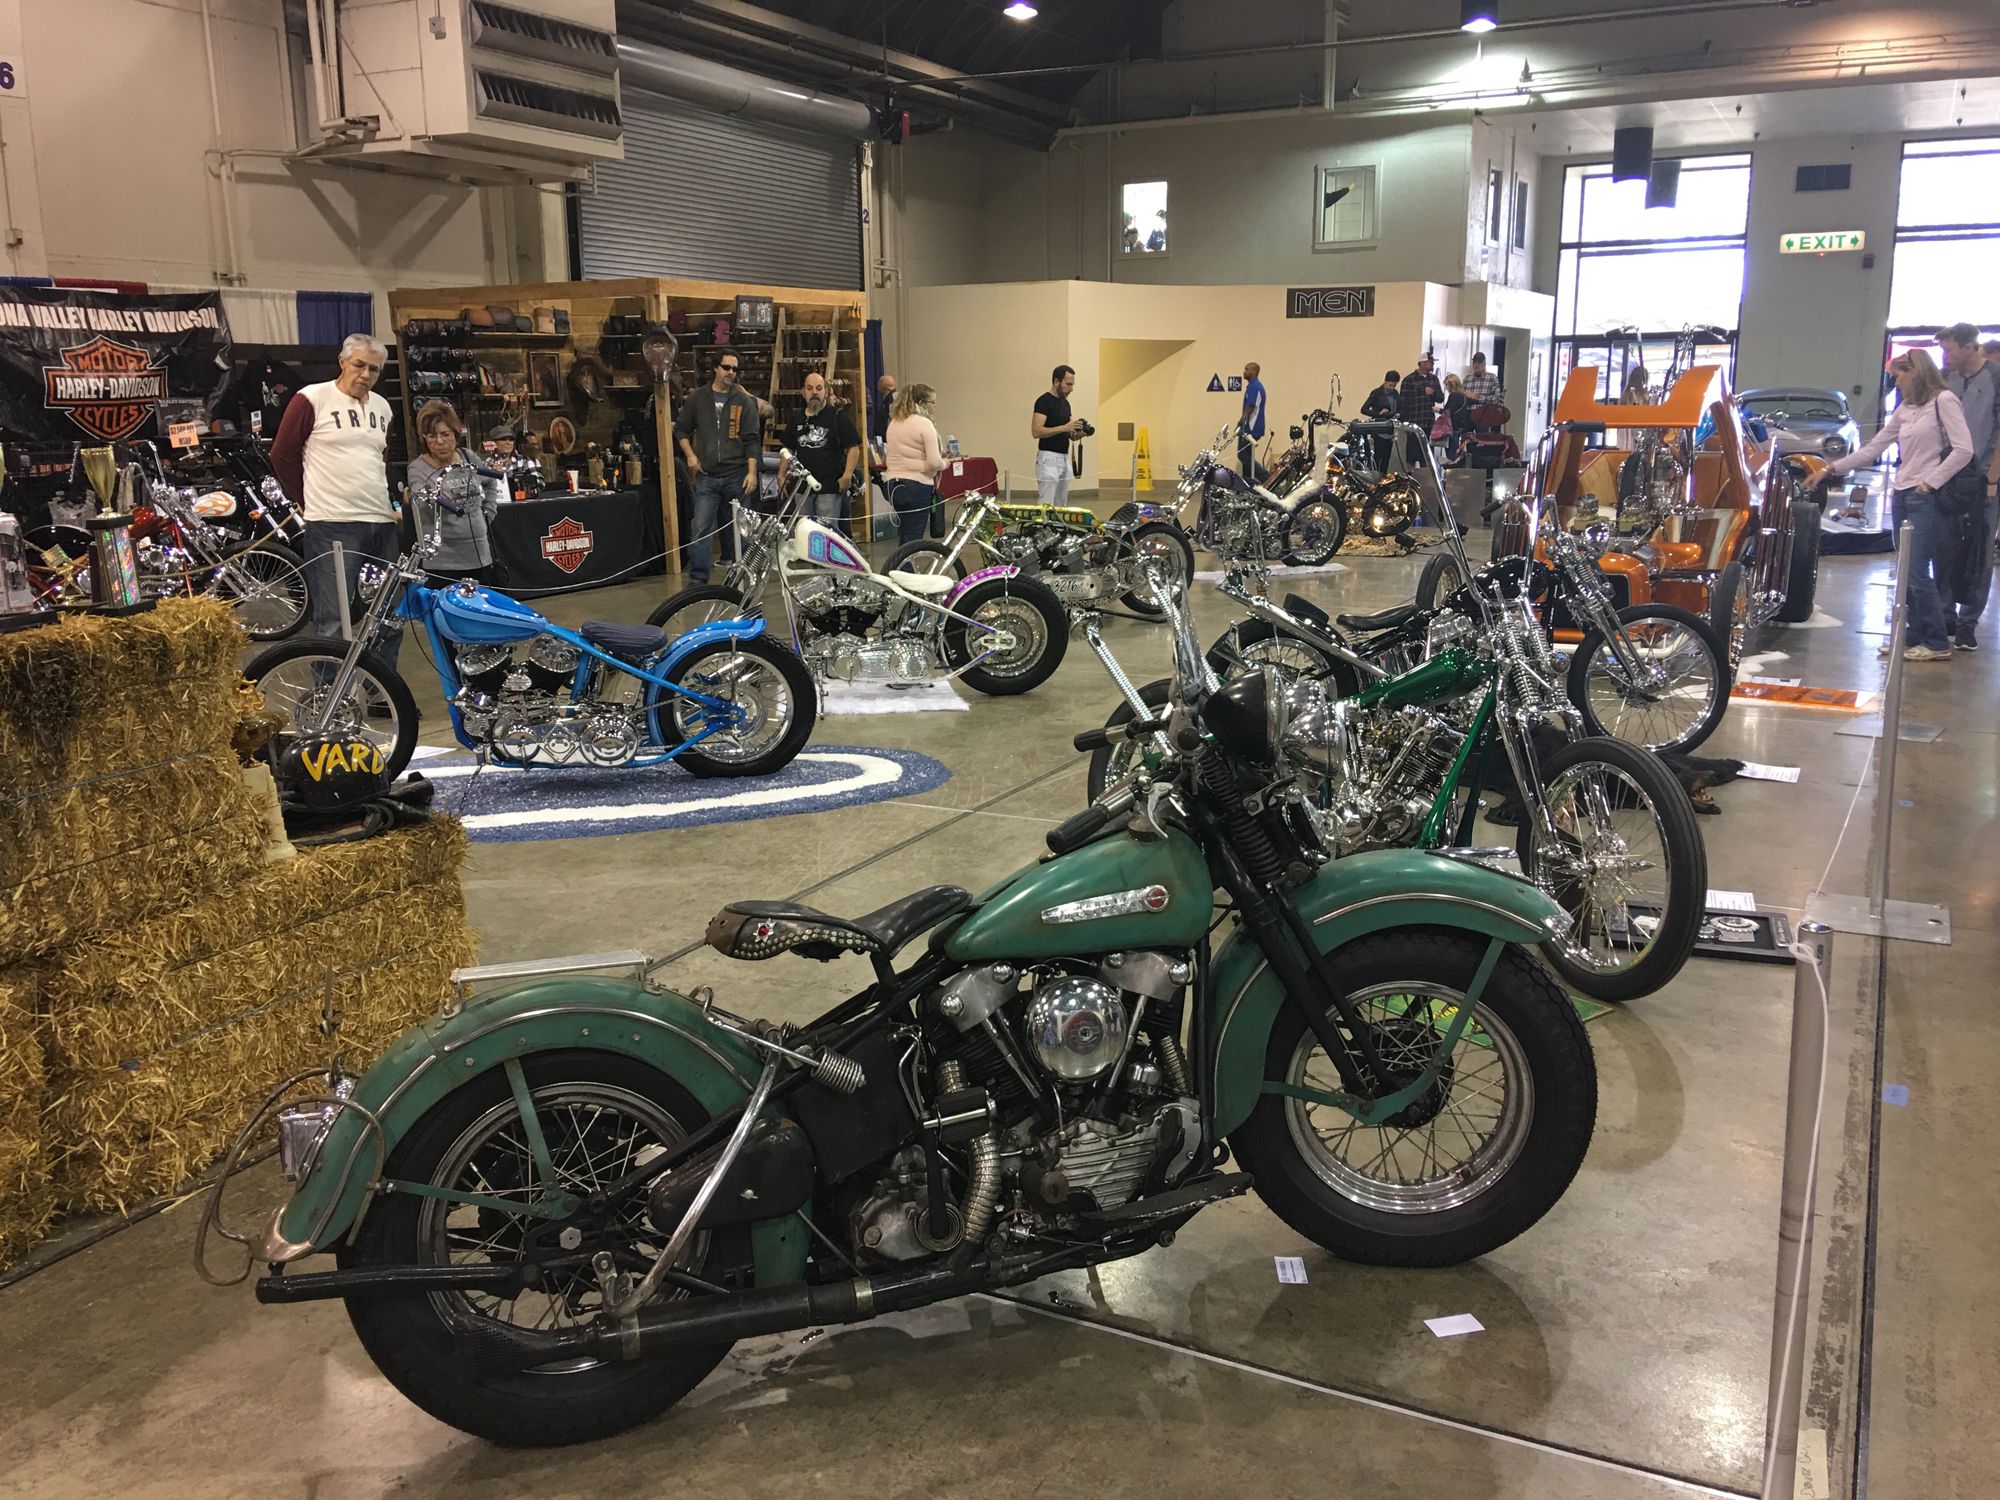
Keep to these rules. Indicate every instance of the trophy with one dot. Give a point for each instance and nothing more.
(100, 467)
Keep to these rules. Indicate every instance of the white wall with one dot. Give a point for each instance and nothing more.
(110, 171)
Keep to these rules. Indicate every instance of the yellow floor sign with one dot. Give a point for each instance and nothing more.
(1142, 462)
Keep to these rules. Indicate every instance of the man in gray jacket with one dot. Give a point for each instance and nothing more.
(720, 437)
(1975, 380)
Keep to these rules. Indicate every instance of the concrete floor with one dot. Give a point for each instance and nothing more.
(1627, 1336)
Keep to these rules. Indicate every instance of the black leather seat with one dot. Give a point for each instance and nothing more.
(633, 643)
(764, 929)
(1388, 619)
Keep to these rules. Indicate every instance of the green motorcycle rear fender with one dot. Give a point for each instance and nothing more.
(1119, 892)
(570, 1013)
(1351, 898)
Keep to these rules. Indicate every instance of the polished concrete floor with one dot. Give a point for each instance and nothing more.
(1626, 1338)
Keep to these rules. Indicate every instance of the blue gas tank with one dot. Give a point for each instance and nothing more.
(483, 617)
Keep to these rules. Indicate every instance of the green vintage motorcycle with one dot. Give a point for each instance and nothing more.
(553, 1208)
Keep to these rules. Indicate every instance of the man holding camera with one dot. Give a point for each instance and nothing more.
(1053, 428)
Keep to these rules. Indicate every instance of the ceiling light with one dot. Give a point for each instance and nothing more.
(1478, 16)
(1021, 10)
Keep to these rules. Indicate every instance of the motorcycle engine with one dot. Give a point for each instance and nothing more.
(836, 617)
(516, 698)
(1380, 767)
(1091, 1103)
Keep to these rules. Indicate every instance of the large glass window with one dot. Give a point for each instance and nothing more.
(1629, 277)
(1142, 219)
(1947, 261)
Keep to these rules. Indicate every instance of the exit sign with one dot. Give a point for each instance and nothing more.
(1830, 242)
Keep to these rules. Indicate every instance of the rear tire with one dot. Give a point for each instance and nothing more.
(409, 1337)
(1802, 584)
(1042, 635)
(1441, 578)
(1315, 531)
(1546, 1109)
(760, 675)
(379, 707)
(924, 556)
(1663, 828)
(1109, 762)
(1259, 643)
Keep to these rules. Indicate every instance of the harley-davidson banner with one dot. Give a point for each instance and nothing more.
(90, 366)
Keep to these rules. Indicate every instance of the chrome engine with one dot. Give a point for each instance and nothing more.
(854, 630)
(1380, 768)
(516, 698)
(1090, 1103)
(1079, 567)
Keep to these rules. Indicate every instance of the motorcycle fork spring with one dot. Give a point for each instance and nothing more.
(1260, 855)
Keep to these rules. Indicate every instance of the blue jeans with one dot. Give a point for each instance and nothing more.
(712, 496)
(912, 499)
(1932, 538)
(361, 543)
(829, 508)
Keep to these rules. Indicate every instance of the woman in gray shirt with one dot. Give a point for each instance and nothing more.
(467, 551)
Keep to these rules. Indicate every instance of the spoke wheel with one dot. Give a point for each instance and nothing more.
(767, 685)
(1016, 641)
(1627, 865)
(1677, 696)
(1315, 532)
(297, 678)
(1166, 549)
(266, 588)
(1460, 1136)
(596, 1111)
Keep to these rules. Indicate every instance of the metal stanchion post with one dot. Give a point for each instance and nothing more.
(1795, 1210)
(340, 592)
(1006, 484)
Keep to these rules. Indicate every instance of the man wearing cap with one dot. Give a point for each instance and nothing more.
(1481, 384)
(719, 437)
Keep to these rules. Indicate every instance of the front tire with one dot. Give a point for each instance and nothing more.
(294, 678)
(1109, 762)
(768, 682)
(1630, 863)
(1314, 532)
(603, 1108)
(265, 587)
(1802, 582)
(924, 556)
(1034, 618)
(1729, 612)
(1168, 548)
(1687, 705)
(1400, 1194)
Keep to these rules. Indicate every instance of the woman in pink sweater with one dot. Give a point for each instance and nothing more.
(912, 460)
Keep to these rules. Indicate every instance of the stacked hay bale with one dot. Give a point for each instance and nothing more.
(157, 976)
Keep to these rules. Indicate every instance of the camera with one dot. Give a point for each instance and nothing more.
(1086, 430)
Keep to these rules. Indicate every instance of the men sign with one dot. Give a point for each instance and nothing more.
(1826, 242)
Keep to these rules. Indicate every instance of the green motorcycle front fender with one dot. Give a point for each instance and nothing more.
(446, 1053)
(1351, 898)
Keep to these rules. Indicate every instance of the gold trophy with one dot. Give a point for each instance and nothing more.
(100, 467)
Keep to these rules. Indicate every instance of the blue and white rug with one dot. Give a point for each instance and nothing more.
(501, 805)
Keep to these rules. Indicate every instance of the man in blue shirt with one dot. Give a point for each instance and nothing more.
(1250, 425)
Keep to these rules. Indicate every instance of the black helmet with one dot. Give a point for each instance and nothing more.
(327, 772)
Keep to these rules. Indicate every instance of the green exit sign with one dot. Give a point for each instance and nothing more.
(1831, 241)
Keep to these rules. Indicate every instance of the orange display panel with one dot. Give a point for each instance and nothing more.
(1684, 406)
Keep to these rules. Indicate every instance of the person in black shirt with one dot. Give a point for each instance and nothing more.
(1382, 405)
(1052, 427)
(822, 440)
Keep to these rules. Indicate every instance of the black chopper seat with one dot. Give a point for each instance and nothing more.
(764, 929)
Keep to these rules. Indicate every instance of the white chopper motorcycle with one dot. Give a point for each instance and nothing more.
(999, 629)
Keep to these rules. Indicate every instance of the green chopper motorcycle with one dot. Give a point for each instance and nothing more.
(554, 1207)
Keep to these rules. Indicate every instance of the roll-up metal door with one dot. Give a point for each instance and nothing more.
(718, 198)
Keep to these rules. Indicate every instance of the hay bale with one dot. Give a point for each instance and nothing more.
(161, 1038)
(137, 991)
(27, 1199)
(123, 1135)
(93, 695)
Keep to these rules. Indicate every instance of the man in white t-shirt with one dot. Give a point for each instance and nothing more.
(330, 454)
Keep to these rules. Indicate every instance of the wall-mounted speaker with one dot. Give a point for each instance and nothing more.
(1632, 153)
(1663, 184)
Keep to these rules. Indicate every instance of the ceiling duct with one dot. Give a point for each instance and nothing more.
(729, 91)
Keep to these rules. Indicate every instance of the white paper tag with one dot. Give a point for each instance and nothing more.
(1731, 901)
(1457, 1323)
(1291, 1269)
(1758, 771)
(1778, 681)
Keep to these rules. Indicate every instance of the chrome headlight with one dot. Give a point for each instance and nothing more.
(1318, 735)
(1833, 445)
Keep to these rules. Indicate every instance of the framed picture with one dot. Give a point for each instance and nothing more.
(756, 314)
(1345, 200)
(545, 376)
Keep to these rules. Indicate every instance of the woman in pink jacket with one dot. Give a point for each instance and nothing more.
(912, 460)
(1934, 443)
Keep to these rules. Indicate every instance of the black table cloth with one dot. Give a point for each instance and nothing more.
(578, 541)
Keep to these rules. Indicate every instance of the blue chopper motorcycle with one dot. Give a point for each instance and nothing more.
(722, 699)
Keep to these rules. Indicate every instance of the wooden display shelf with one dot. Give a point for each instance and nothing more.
(842, 315)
